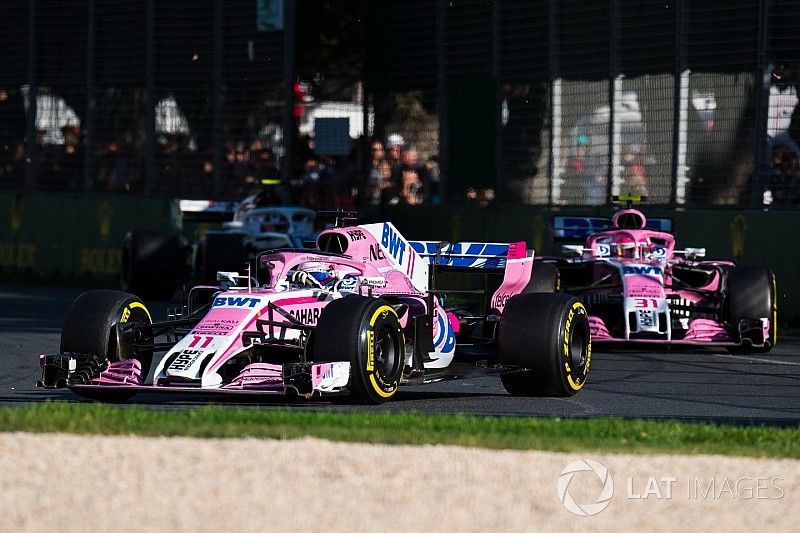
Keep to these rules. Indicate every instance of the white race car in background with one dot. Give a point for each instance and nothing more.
(155, 263)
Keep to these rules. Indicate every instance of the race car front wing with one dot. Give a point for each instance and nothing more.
(72, 370)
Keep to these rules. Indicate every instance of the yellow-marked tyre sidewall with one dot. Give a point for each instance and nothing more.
(574, 323)
(773, 326)
(534, 345)
(379, 388)
(135, 311)
(347, 330)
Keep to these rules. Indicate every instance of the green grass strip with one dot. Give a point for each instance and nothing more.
(611, 435)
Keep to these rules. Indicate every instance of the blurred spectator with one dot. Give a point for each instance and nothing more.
(782, 103)
(114, 172)
(412, 161)
(313, 172)
(434, 189)
(240, 170)
(413, 189)
(588, 171)
(395, 144)
(411, 158)
(783, 185)
(384, 189)
(633, 172)
(377, 154)
(480, 197)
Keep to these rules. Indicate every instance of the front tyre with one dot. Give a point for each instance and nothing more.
(366, 332)
(88, 329)
(752, 295)
(545, 339)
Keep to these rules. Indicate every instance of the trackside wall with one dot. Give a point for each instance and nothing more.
(49, 236)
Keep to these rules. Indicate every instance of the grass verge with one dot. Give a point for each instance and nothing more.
(611, 435)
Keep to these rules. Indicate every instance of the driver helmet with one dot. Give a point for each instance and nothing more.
(324, 273)
(625, 246)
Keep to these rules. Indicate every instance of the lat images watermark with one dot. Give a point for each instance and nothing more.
(585, 508)
(586, 487)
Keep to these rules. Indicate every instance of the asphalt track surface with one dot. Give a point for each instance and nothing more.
(708, 385)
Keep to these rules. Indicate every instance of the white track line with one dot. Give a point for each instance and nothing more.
(757, 359)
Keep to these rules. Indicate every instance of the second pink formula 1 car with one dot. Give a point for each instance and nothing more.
(638, 288)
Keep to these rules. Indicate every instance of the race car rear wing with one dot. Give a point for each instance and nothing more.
(477, 255)
(490, 272)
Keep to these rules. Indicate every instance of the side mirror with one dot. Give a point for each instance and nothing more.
(572, 249)
(229, 280)
(227, 276)
(692, 253)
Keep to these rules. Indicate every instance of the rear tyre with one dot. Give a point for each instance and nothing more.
(752, 295)
(88, 330)
(153, 263)
(366, 332)
(546, 337)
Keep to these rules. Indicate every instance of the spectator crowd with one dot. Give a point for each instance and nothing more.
(396, 173)
(397, 176)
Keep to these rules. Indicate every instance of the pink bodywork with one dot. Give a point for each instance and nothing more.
(375, 255)
(127, 372)
(517, 275)
(650, 255)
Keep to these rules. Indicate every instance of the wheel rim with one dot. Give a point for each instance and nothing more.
(137, 316)
(578, 347)
(386, 353)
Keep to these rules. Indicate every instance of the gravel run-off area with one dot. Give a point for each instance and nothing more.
(64, 483)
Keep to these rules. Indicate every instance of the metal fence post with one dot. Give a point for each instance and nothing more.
(676, 99)
(88, 127)
(441, 96)
(498, 100)
(216, 96)
(30, 124)
(364, 150)
(288, 88)
(680, 99)
(554, 143)
(363, 153)
(762, 88)
(150, 112)
(613, 67)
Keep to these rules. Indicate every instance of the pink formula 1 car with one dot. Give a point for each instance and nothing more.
(638, 288)
(361, 314)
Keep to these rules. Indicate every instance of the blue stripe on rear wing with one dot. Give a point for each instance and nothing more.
(490, 255)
